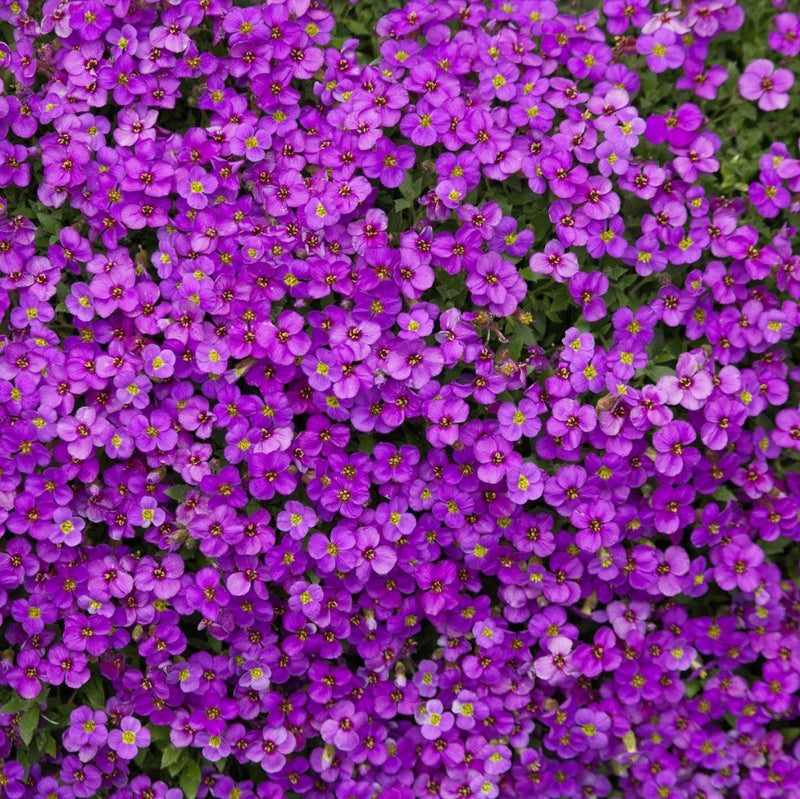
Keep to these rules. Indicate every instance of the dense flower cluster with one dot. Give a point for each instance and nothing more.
(414, 429)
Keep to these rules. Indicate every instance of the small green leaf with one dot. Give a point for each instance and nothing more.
(171, 756)
(519, 336)
(657, 372)
(28, 725)
(407, 188)
(775, 547)
(723, 494)
(16, 704)
(190, 779)
(95, 696)
(177, 767)
(50, 747)
(356, 27)
(177, 492)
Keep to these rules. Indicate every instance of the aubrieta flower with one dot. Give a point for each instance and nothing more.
(311, 467)
(761, 81)
(129, 738)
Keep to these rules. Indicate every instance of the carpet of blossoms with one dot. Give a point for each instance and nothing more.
(399, 403)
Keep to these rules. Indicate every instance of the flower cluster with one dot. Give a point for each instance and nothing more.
(418, 424)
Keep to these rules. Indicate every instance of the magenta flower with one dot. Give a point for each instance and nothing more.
(595, 525)
(787, 433)
(341, 728)
(769, 194)
(739, 565)
(555, 261)
(673, 565)
(570, 421)
(285, 340)
(25, 678)
(388, 162)
(83, 432)
(308, 462)
(671, 445)
(662, 49)
(763, 82)
(372, 555)
(587, 290)
(495, 282)
(435, 721)
(129, 738)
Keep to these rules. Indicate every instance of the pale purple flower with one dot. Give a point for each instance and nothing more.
(763, 82)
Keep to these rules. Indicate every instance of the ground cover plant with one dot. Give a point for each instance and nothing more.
(399, 401)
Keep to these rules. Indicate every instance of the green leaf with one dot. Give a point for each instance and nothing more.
(519, 335)
(50, 747)
(407, 188)
(16, 704)
(159, 736)
(556, 305)
(95, 696)
(28, 725)
(177, 767)
(356, 27)
(775, 547)
(656, 372)
(723, 494)
(190, 779)
(177, 492)
(693, 688)
(170, 756)
(791, 734)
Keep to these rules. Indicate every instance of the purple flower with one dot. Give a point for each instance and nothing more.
(595, 525)
(129, 738)
(769, 195)
(674, 564)
(691, 384)
(587, 290)
(372, 555)
(787, 434)
(434, 720)
(87, 732)
(761, 81)
(570, 420)
(83, 432)
(306, 598)
(496, 283)
(739, 565)
(340, 729)
(388, 162)
(673, 455)
(662, 48)
(26, 677)
(271, 750)
(593, 727)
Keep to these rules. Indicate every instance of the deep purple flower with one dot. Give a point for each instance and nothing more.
(739, 565)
